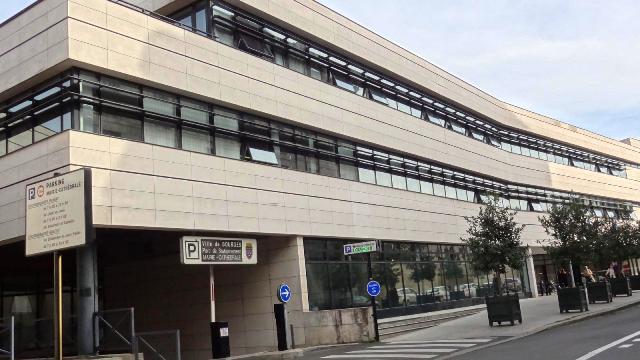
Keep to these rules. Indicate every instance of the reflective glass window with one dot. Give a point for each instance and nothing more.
(227, 146)
(366, 173)
(120, 123)
(19, 137)
(297, 64)
(348, 170)
(413, 183)
(196, 140)
(426, 187)
(438, 189)
(160, 102)
(457, 127)
(160, 132)
(47, 128)
(196, 111)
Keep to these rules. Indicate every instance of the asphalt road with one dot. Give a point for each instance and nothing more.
(612, 336)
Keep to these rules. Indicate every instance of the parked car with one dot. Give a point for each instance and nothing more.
(410, 295)
(469, 289)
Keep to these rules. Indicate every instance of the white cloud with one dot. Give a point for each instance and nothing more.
(576, 61)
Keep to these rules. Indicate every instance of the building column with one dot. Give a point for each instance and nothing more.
(531, 273)
(87, 304)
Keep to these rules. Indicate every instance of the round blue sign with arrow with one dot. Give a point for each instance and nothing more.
(373, 288)
(284, 293)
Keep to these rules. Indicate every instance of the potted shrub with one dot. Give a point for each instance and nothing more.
(599, 291)
(571, 228)
(494, 241)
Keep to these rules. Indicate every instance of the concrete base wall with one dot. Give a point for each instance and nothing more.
(338, 326)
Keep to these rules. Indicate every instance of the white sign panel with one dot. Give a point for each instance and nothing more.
(214, 250)
(58, 213)
(361, 248)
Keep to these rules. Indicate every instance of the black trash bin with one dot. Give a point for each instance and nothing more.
(220, 340)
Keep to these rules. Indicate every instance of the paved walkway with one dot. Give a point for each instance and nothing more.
(537, 314)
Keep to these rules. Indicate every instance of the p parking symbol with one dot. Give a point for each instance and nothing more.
(192, 250)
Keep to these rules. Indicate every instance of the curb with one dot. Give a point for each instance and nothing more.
(554, 325)
(287, 354)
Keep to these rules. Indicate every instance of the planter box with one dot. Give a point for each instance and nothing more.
(635, 282)
(621, 286)
(456, 295)
(599, 291)
(572, 299)
(505, 308)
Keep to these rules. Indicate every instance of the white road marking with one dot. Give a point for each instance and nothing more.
(421, 345)
(441, 341)
(625, 346)
(607, 347)
(636, 340)
(368, 356)
(403, 350)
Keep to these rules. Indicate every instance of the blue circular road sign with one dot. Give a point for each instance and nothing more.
(373, 288)
(284, 293)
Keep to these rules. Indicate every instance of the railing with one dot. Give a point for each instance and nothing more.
(7, 338)
(158, 345)
(114, 331)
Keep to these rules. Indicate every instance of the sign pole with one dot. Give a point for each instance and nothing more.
(373, 301)
(57, 305)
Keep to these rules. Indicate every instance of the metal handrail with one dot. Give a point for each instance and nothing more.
(140, 340)
(11, 352)
(98, 319)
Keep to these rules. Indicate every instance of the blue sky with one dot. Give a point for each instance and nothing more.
(574, 60)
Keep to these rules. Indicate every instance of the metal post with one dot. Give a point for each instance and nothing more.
(87, 297)
(13, 338)
(178, 353)
(572, 279)
(373, 301)
(57, 303)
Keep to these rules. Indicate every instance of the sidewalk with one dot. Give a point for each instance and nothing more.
(537, 314)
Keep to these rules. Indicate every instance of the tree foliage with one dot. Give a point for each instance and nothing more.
(616, 240)
(494, 239)
(572, 229)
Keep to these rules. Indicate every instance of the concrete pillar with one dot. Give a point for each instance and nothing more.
(87, 285)
(531, 270)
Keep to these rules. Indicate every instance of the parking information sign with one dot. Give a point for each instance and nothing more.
(361, 248)
(58, 213)
(214, 250)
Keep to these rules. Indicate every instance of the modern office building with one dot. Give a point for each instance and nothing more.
(280, 121)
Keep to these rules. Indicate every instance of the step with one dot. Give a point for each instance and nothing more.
(394, 326)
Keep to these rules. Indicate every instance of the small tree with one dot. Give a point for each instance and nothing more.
(494, 241)
(572, 230)
(616, 241)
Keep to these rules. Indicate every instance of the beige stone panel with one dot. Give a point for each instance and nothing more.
(125, 45)
(88, 157)
(243, 224)
(134, 182)
(173, 203)
(133, 30)
(87, 33)
(87, 53)
(167, 76)
(173, 186)
(132, 199)
(210, 206)
(132, 217)
(131, 163)
(101, 215)
(211, 222)
(175, 219)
